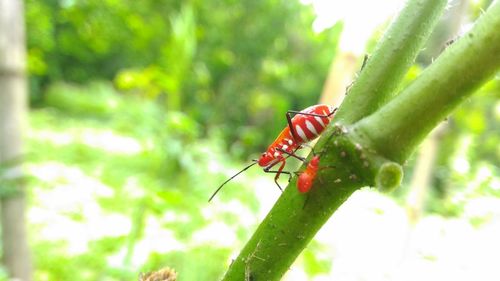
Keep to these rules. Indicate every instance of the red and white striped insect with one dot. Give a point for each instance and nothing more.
(304, 127)
(306, 178)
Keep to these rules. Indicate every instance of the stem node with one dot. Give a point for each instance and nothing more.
(389, 176)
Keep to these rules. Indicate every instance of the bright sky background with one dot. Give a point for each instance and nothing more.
(360, 17)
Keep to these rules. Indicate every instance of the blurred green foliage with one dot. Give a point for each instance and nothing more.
(232, 66)
(468, 162)
(183, 83)
(167, 175)
(167, 181)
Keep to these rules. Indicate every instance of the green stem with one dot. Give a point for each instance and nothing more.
(398, 127)
(291, 224)
(295, 218)
(393, 56)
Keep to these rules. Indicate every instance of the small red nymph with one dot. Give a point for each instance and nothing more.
(305, 126)
(306, 178)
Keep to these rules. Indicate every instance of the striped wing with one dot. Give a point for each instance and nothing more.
(310, 127)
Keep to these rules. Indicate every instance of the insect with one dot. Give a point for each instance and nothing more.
(306, 178)
(304, 127)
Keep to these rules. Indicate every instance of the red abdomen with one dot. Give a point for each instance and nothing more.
(306, 128)
(306, 178)
(304, 182)
(310, 127)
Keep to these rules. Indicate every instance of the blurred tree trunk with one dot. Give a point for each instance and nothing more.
(16, 255)
(421, 180)
(422, 176)
(341, 73)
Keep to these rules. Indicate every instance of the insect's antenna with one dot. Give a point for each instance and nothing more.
(228, 180)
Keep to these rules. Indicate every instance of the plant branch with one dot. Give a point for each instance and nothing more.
(292, 222)
(363, 153)
(295, 218)
(395, 53)
(398, 127)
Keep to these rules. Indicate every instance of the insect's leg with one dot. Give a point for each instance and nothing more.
(291, 154)
(289, 112)
(289, 174)
(278, 172)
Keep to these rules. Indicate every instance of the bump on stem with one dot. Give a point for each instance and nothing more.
(389, 176)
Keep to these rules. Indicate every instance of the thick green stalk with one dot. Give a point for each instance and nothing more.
(391, 59)
(398, 127)
(291, 224)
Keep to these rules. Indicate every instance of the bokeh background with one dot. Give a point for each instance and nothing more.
(140, 109)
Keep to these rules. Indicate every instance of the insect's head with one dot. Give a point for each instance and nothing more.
(315, 161)
(268, 158)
